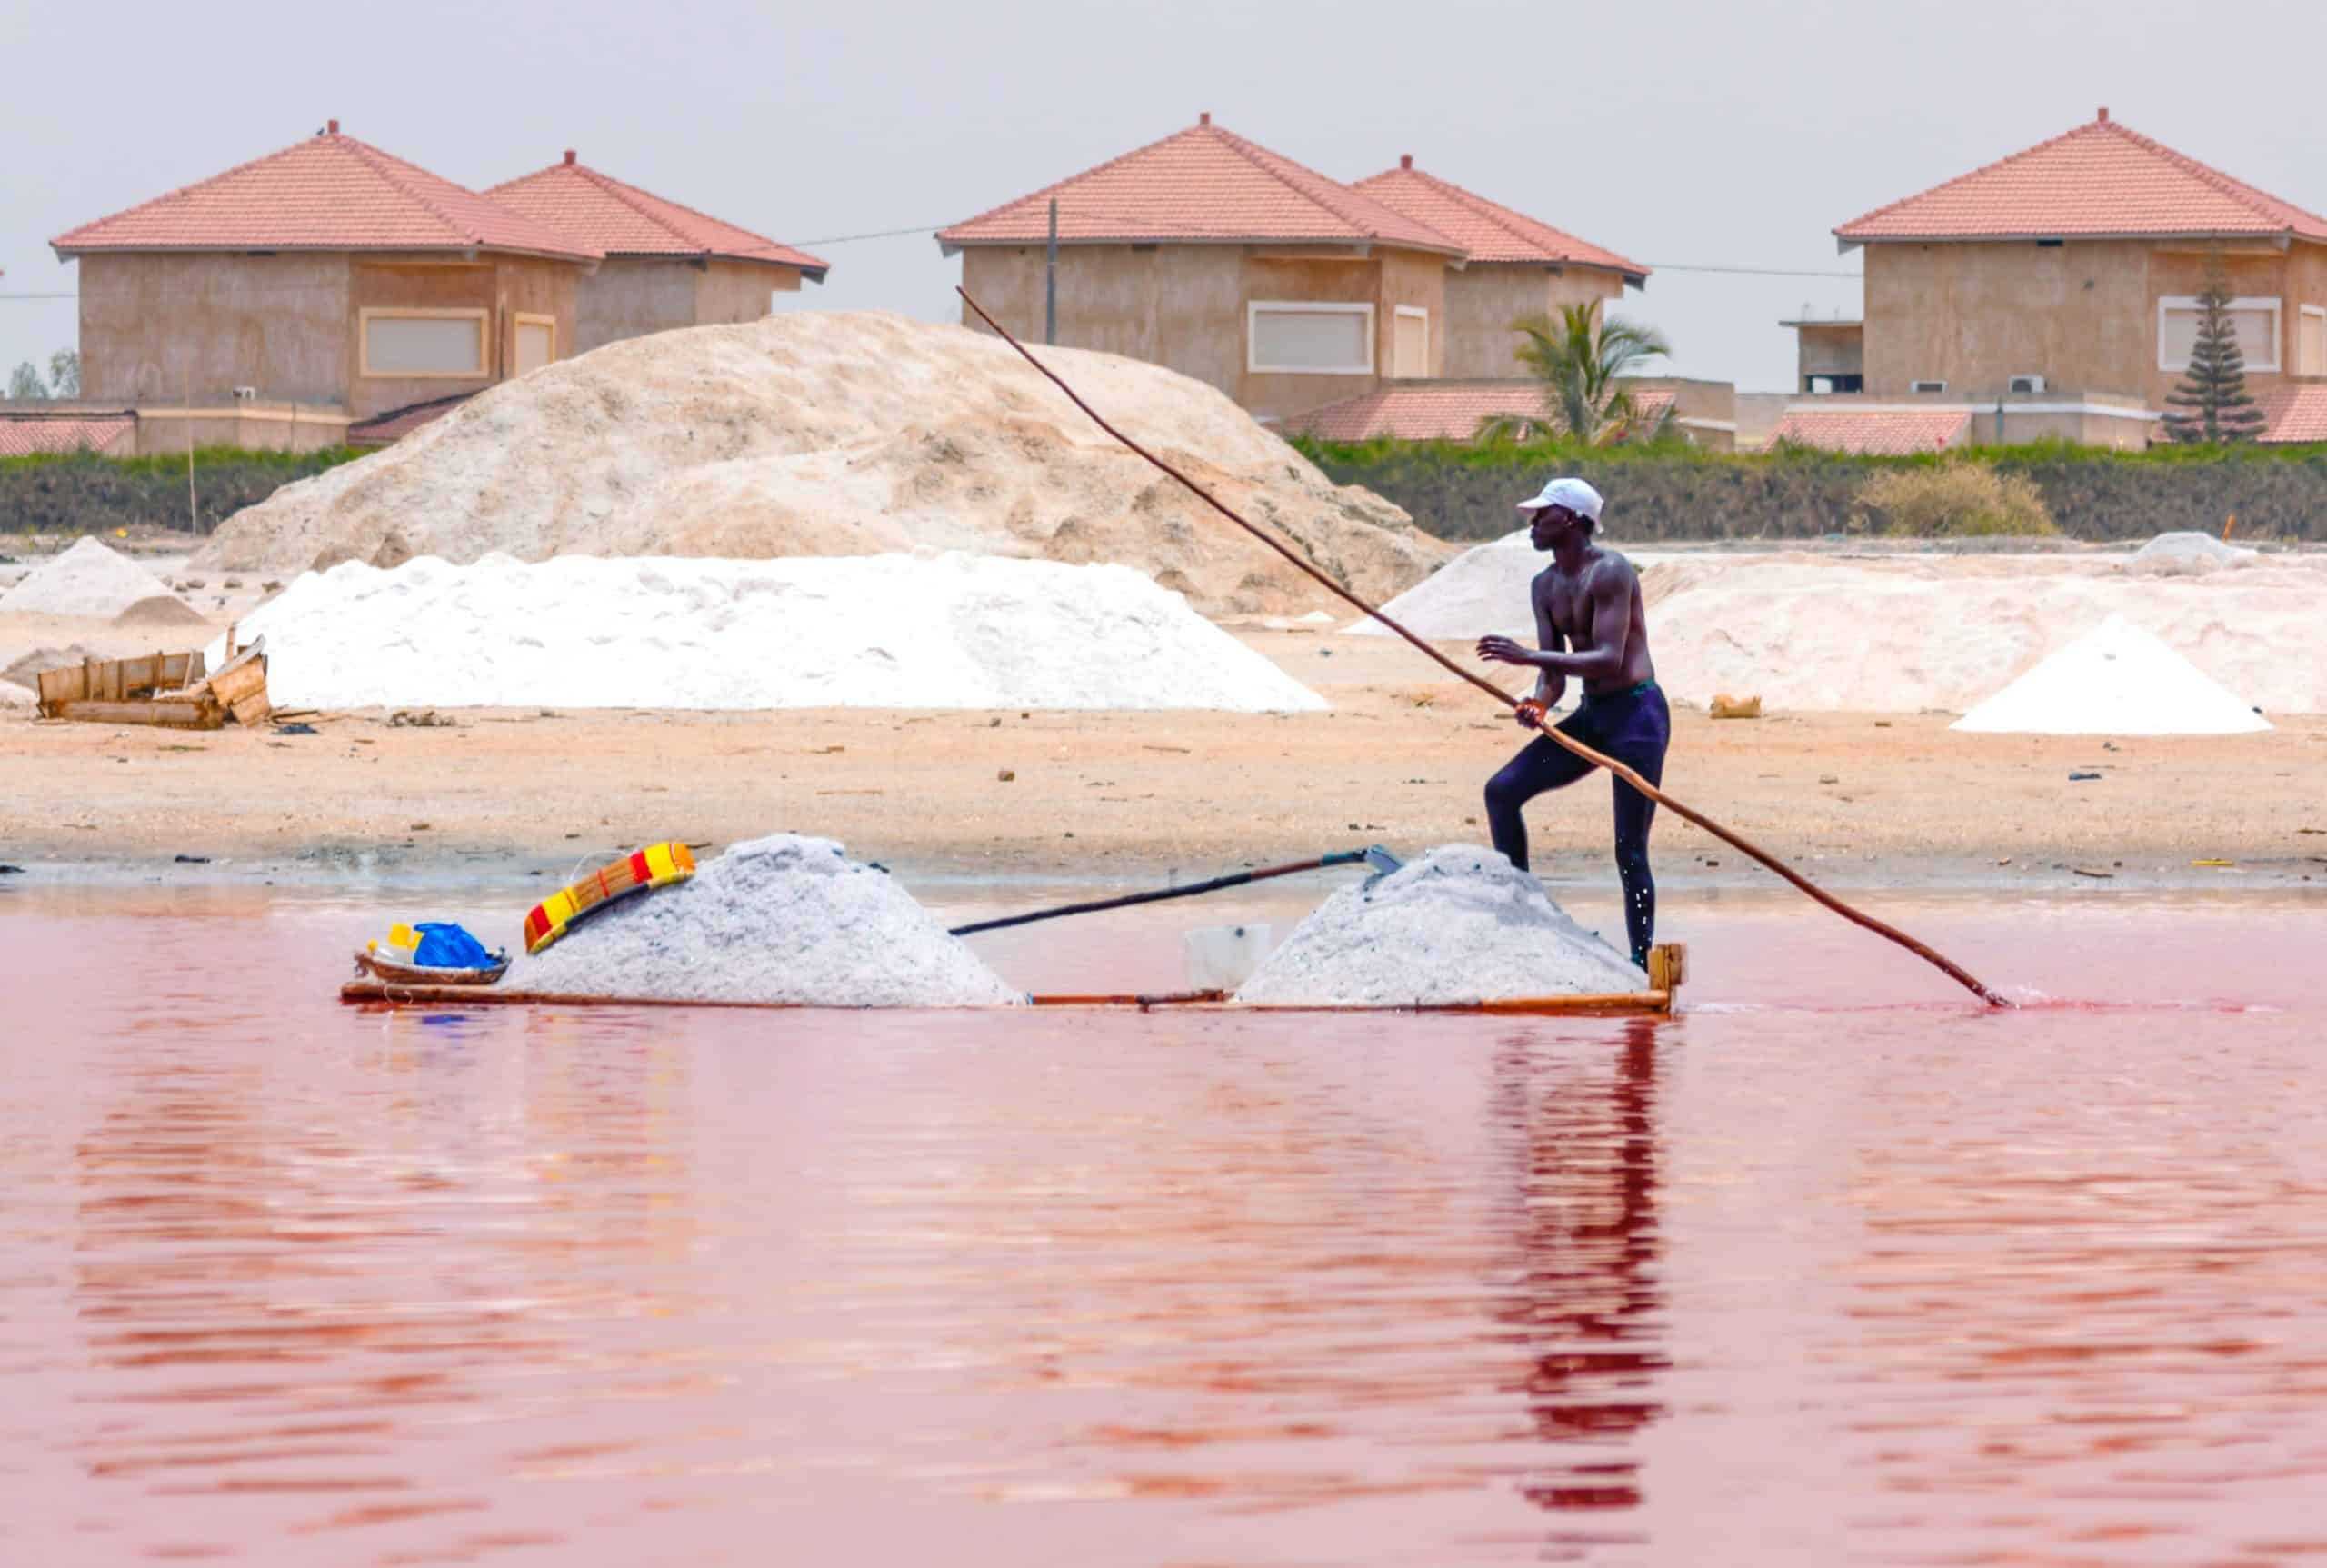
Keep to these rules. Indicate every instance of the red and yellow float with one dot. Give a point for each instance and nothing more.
(657, 865)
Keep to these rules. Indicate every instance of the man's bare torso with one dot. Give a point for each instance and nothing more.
(1572, 608)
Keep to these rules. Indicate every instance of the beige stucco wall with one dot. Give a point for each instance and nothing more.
(2083, 314)
(503, 285)
(1187, 306)
(1974, 315)
(1175, 305)
(155, 325)
(1484, 298)
(262, 427)
(630, 296)
(1837, 348)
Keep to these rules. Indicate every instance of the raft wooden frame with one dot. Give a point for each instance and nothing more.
(1668, 969)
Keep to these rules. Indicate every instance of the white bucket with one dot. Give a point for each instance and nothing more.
(1223, 957)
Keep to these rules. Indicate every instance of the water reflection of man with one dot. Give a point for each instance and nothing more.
(1590, 1298)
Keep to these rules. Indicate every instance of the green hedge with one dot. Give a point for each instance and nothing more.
(1673, 491)
(80, 494)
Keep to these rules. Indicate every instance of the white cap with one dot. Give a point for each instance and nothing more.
(1573, 493)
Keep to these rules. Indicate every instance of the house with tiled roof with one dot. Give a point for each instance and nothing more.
(278, 302)
(2053, 292)
(1283, 287)
(1513, 267)
(665, 265)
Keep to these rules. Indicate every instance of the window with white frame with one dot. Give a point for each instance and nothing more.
(1299, 338)
(423, 345)
(2310, 341)
(1409, 342)
(536, 343)
(2254, 321)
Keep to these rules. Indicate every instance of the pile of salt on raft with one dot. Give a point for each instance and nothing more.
(782, 919)
(1460, 924)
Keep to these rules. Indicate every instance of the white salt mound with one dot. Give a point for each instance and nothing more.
(950, 630)
(13, 697)
(780, 919)
(87, 580)
(1484, 590)
(1460, 924)
(834, 433)
(2189, 555)
(2115, 680)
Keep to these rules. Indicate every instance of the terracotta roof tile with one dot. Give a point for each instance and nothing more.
(328, 193)
(1444, 410)
(1489, 231)
(32, 434)
(2295, 412)
(2095, 180)
(1873, 432)
(1200, 185)
(382, 429)
(600, 211)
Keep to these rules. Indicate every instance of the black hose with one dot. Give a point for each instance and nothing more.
(1236, 879)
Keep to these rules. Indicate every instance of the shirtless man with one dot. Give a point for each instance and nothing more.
(1589, 624)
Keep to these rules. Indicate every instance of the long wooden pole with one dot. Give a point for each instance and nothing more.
(1947, 966)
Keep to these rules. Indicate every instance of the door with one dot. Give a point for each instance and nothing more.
(1410, 346)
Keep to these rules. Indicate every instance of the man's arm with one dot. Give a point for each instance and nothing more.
(1550, 684)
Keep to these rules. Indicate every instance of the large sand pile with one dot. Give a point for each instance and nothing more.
(949, 631)
(89, 579)
(855, 433)
(1460, 924)
(1899, 634)
(779, 919)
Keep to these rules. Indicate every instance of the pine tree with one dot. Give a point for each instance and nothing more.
(2211, 402)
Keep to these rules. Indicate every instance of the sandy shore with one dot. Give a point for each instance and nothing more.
(1858, 799)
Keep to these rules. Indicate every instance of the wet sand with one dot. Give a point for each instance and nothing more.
(1858, 799)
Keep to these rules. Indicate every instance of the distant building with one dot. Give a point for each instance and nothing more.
(276, 304)
(1513, 266)
(2052, 294)
(665, 265)
(331, 292)
(1284, 288)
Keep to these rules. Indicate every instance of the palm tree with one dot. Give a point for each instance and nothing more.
(1580, 359)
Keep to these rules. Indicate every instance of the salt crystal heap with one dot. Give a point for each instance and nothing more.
(87, 580)
(2115, 680)
(1460, 924)
(782, 919)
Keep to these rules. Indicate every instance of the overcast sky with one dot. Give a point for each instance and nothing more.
(1704, 133)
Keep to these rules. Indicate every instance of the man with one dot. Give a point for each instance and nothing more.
(1590, 625)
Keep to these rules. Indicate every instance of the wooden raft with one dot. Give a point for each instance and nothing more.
(1668, 969)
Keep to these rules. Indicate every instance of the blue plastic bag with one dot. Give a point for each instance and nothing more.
(444, 946)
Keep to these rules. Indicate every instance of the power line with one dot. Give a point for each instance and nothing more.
(1754, 271)
(877, 235)
(39, 296)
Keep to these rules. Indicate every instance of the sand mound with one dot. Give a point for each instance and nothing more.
(833, 434)
(2115, 680)
(948, 631)
(26, 671)
(779, 919)
(2189, 555)
(1460, 924)
(87, 580)
(161, 610)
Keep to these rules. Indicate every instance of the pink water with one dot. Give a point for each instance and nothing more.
(1831, 1269)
